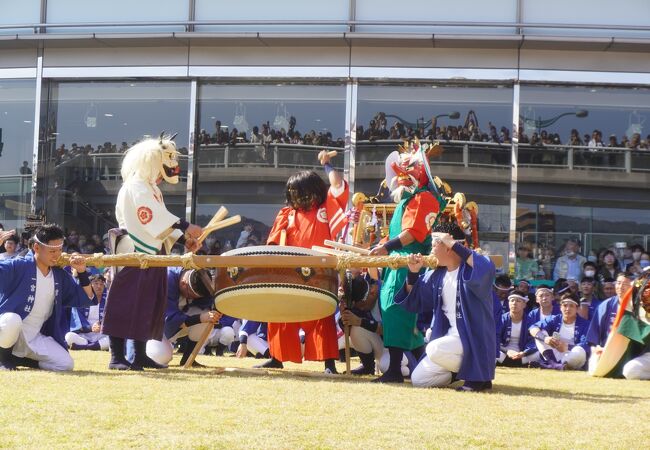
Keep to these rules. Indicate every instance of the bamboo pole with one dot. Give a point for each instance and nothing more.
(191, 261)
(204, 337)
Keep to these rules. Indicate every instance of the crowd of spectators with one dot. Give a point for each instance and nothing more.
(268, 135)
(378, 129)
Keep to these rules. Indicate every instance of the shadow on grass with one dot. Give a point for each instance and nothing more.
(557, 394)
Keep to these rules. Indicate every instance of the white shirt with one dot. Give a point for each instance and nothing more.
(93, 314)
(42, 307)
(543, 316)
(515, 332)
(449, 294)
(567, 332)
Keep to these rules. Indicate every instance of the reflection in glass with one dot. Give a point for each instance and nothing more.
(16, 154)
(85, 129)
(473, 125)
(252, 138)
(583, 159)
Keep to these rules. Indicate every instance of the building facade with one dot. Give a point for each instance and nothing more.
(542, 109)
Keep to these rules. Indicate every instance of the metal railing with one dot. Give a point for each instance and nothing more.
(188, 25)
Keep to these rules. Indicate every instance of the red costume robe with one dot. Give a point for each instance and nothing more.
(304, 229)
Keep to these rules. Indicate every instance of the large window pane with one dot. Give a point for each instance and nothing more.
(17, 99)
(19, 13)
(497, 11)
(86, 128)
(252, 138)
(473, 125)
(117, 11)
(602, 13)
(583, 166)
(281, 10)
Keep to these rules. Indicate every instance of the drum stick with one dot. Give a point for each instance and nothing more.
(204, 337)
(219, 225)
(346, 247)
(218, 217)
(328, 251)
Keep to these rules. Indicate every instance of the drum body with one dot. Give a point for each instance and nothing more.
(276, 294)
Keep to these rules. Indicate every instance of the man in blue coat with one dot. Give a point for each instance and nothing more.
(562, 339)
(516, 345)
(463, 340)
(33, 296)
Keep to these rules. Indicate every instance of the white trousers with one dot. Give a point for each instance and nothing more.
(574, 358)
(638, 368)
(366, 341)
(444, 356)
(44, 349)
(87, 338)
(384, 362)
(256, 344)
(161, 352)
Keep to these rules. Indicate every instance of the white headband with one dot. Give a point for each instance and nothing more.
(541, 290)
(56, 247)
(517, 297)
(502, 288)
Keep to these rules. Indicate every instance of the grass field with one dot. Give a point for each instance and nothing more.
(96, 408)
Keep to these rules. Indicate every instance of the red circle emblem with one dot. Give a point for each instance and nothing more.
(144, 215)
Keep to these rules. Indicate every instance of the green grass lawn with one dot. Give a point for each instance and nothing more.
(96, 408)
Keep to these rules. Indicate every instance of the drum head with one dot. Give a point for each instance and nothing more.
(257, 250)
(274, 302)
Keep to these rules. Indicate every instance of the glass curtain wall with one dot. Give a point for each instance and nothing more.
(85, 129)
(251, 138)
(17, 99)
(584, 162)
(473, 125)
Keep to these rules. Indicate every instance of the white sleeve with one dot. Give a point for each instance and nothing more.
(152, 213)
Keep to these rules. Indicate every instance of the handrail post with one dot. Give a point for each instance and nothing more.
(569, 158)
(276, 157)
(226, 155)
(465, 155)
(628, 161)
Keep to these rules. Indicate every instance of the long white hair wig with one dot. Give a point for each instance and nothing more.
(144, 160)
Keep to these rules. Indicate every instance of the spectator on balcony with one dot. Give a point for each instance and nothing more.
(574, 138)
(612, 141)
(635, 142)
(596, 139)
(526, 267)
(25, 170)
(570, 264)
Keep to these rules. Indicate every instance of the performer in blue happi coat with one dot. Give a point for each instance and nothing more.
(85, 323)
(562, 339)
(463, 340)
(190, 295)
(601, 322)
(516, 345)
(546, 306)
(33, 296)
(253, 338)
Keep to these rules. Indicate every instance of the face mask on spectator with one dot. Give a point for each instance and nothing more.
(644, 263)
(636, 256)
(569, 253)
(590, 273)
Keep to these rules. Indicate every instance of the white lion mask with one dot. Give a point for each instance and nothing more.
(151, 159)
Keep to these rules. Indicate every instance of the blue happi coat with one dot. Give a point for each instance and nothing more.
(18, 290)
(602, 321)
(474, 313)
(79, 316)
(553, 324)
(526, 341)
(251, 327)
(536, 314)
(175, 316)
